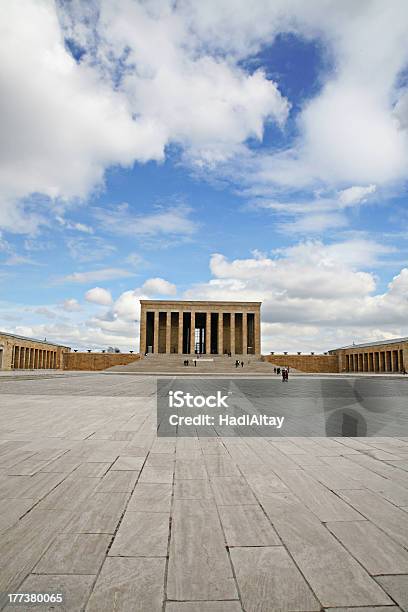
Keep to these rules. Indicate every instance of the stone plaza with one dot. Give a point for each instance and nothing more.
(97, 507)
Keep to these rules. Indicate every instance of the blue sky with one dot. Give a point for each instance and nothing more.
(202, 150)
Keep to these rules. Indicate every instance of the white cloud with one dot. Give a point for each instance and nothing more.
(159, 286)
(324, 211)
(354, 129)
(45, 312)
(98, 295)
(19, 260)
(122, 220)
(90, 248)
(322, 289)
(126, 307)
(91, 276)
(355, 195)
(64, 122)
(313, 223)
(73, 225)
(71, 305)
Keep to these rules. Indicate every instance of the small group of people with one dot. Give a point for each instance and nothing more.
(239, 363)
(187, 362)
(283, 371)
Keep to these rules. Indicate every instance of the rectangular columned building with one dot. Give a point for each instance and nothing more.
(379, 356)
(21, 353)
(209, 328)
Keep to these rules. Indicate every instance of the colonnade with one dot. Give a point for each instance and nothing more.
(28, 358)
(375, 361)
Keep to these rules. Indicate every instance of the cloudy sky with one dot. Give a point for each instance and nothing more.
(204, 150)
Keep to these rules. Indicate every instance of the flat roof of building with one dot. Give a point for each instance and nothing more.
(376, 343)
(8, 335)
(228, 302)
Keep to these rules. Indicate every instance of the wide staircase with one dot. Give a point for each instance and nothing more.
(211, 364)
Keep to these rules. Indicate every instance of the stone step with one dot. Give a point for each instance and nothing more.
(219, 364)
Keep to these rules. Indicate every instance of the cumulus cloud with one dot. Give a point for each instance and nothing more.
(65, 121)
(159, 286)
(355, 194)
(71, 305)
(61, 124)
(98, 295)
(320, 288)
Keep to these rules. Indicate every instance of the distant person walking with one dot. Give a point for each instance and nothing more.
(242, 364)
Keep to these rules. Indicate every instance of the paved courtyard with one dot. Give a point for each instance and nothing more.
(94, 506)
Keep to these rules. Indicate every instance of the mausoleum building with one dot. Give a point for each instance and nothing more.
(195, 327)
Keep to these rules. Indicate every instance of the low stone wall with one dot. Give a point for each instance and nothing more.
(306, 363)
(97, 361)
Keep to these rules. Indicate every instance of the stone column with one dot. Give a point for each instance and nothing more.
(404, 363)
(257, 333)
(15, 357)
(168, 332)
(244, 333)
(395, 361)
(208, 334)
(232, 332)
(143, 327)
(156, 332)
(220, 333)
(192, 333)
(180, 333)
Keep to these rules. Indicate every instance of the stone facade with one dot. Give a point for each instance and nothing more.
(20, 353)
(190, 327)
(97, 361)
(387, 356)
